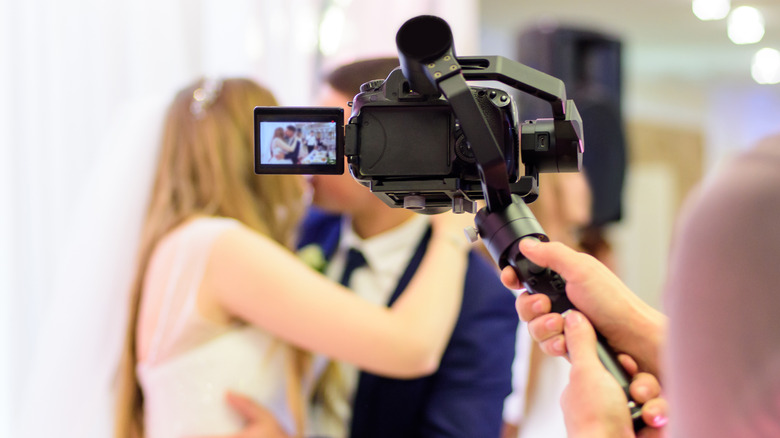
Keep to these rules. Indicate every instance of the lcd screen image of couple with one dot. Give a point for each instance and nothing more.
(297, 142)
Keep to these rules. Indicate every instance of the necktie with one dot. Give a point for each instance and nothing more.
(355, 260)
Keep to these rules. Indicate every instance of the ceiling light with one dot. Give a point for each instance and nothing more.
(711, 9)
(765, 67)
(745, 25)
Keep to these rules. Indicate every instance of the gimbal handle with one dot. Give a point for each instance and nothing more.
(501, 232)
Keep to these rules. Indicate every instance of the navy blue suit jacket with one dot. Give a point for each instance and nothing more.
(465, 396)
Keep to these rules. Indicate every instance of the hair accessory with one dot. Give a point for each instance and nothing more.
(204, 96)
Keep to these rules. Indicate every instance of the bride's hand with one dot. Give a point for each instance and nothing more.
(259, 422)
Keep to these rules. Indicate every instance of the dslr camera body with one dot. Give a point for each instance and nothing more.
(411, 151)
(424, 139)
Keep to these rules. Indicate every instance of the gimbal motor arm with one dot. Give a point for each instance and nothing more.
(428, 61)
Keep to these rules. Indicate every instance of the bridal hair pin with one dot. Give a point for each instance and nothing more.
(204, 96)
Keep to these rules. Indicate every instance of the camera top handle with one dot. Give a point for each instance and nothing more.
(428, 61)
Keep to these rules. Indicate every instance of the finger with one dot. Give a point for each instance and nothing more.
(530, 306)
(556, 256)
(580, 338)
(555, 346)
(545, 327)
(245, 406)
(644, 387)
(509, 278)
(656, 413)
(628, 363)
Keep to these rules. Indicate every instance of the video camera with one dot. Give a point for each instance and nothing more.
(423, 139)
(408, 141)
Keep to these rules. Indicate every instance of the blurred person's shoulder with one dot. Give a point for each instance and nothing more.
(753, 174)
(743, 195)
(769, 146)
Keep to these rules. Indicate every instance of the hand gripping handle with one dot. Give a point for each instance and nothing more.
(537, 279)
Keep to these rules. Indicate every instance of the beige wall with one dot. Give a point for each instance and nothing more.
(665, 163)
(680, 149)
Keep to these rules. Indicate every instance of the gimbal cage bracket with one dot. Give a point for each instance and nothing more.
(428, 61)
(429, 64)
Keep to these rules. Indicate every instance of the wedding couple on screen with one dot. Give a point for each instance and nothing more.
(287, 146)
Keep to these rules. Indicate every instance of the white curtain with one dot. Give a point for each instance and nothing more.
(69, 68)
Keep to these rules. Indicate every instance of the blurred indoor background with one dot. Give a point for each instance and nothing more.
(68, 69)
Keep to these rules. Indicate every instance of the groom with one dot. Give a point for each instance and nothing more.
(465, 396)
(292, 140)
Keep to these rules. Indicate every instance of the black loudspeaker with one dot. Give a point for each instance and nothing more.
(589, 63)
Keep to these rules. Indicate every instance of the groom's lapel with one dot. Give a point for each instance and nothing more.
(411, 268)
(380, 399)
(321, 229)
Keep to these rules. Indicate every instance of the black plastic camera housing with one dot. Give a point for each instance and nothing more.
(413, 145)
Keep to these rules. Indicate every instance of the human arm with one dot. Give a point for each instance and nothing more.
(281, 145)
(258, 281)
(629, 325)
(279, 148)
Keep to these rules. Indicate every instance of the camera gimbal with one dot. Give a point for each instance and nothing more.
(428, 61)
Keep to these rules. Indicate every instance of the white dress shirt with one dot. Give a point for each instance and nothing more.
(387, 257)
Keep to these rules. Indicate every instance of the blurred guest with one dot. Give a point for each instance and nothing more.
(311, 141)
(300, 144)
(722, 348)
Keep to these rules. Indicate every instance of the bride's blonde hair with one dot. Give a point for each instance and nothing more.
(206, 168)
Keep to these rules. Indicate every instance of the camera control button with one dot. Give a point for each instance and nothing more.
(471, 234)
(371, 85)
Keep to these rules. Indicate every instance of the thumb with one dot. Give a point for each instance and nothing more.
(567, 262)
(580, 338)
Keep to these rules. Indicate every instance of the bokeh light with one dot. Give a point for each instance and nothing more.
(745, 25)
(711, 9)
(765, 67)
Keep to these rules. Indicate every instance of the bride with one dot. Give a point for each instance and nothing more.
(279, 148)
(219, 302)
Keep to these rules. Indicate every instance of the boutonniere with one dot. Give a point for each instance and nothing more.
(314, 257)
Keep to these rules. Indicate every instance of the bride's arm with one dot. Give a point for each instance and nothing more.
(253, 278)
(283, 145)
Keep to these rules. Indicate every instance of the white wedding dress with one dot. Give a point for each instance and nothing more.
(191, 362)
